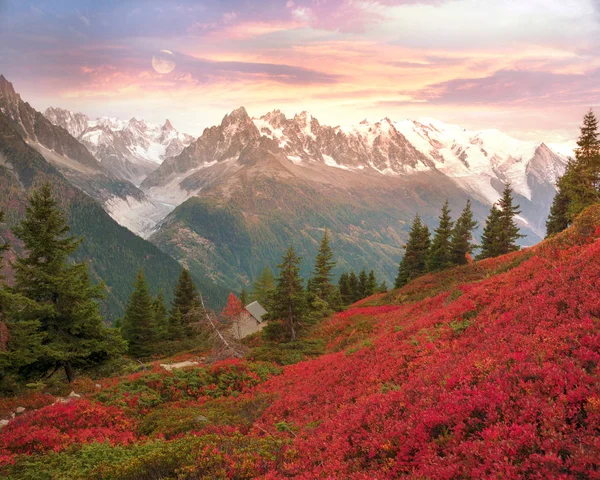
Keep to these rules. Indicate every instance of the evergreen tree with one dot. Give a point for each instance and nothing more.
(440, 252)
(383, 288)
(287, 302)
(345, 289)
(489, 238)
(185, 299)
(354, 287)
(508, 231)
(263, 286)
(558, 220)
(20, 341)
(161, 317)
(322, 285)
(244, 297)
(138, 324)
(63, 300)
(412, 264)
(371, 284)
(589, 139)
(461, 242)
(363, 279)
(579, 187)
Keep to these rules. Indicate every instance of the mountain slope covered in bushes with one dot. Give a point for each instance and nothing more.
(489, 370)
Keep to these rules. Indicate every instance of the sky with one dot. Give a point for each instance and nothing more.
(530, 68)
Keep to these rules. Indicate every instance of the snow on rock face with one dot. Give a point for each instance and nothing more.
(130, 149)
(474, 159)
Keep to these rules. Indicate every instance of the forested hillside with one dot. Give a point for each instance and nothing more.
(113, 253)
(484, 370)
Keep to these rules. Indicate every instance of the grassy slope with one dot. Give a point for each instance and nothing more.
(486, 371)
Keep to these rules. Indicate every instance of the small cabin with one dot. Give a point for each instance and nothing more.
(250, 321)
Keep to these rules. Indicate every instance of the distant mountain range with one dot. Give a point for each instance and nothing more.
(130, 150)
(32, 151)
(230, 201)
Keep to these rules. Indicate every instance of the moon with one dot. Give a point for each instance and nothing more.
(163, 62)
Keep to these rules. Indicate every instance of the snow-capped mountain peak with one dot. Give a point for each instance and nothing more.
(130, 149)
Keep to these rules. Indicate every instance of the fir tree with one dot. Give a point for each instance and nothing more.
(440, 252)
(412, 264)
(244, 297)
(589, 139)
(371, 284)
(461, 242)
(322, 276)
(287, 302)
(489, 238)
(161, 317)
(263, 286)
(185, 299)
(138, 324)
(579, 187)
(383, 288)
(363, 279)
(558, 220)
(63, 299)
(508, 231)
(354, 287)
(20, 341)
(345, 289)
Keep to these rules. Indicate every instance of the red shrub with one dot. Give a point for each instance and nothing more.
(57, 426)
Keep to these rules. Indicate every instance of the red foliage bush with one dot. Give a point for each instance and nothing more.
(58, 426)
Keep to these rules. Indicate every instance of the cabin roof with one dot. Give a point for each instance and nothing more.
(256, 310)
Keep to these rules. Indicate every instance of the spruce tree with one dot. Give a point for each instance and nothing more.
(287, 302)
(440, 252)
(383, 288)
(263, 286)
(244, 297)
(138, 323)
(412, 264)
(345, 288)
(161, 318)
(579, 187)
(63, 299)
(461, 242)
(371, 284)
(588, 144)
(185, 299)
(558, 220)
(354, 287)
(508, 231)
(489, 238)
(322, 285)
(20, 341)
(363, 279)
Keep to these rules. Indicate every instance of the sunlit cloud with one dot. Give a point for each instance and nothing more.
(513, 64)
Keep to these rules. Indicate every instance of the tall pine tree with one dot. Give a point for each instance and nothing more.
(371, 284)
(185, 300)
(20, 340)
(489, 238)
(161, 317)
(462, 236)
(322, 277)
(65, 300)
(263, 286)
(139, 321)
(508, 231)
(287, 302)
(579, 187)
(440, 252)
(412, 264)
